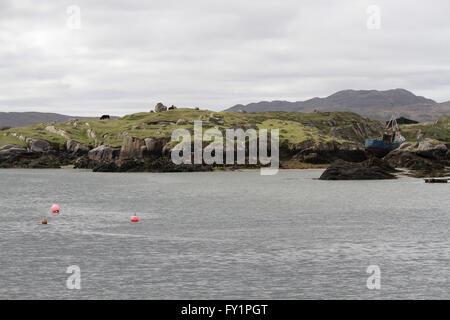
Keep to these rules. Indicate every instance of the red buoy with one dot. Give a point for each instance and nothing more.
(55, 209)
(44, 221)
(134, 219)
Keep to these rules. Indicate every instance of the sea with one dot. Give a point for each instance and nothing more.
(221, 235)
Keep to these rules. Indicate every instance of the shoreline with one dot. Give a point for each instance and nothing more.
(400, 172)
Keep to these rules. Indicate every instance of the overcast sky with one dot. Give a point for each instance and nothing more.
(128, 55)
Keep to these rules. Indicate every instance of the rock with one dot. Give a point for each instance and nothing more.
(161, 164)
(172, 107)
(215, 120)
(431, 149)
(167, 149)
(91, 134)
(160, 107)
(59, 132)
(419, 136)
(165, 123)
(305, 145)
(425, 145)
(153, 145)
(11, 149)
(103, 153)
(75, 147)
(135, 128)
(196, 108)
(312, 157)
(404, 145)
(105, 167)
(420, 166)
(181, 122)
(105, 117)
(131, 148)
(12, 156)
(82, 162)
(38, 145)
(377, 162)
(341, 170)
(122, 134)
(400, 158)
(47, 161)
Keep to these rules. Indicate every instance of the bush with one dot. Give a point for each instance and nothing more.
(4, 128)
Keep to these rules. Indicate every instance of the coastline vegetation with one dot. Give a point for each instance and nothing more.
(295, 128)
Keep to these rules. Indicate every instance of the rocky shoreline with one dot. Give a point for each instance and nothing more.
(424, 159)
(141, 142)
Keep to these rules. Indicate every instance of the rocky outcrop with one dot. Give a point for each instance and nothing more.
(341, 170)
(132, 148)
(431, 149)
(355, 131)
(154, 145)
(418, 165)
(37, 145)
(325, 152)
(59, 132)
(91, 134)
(13, 156)
(160, 107)
(76, 148)
(11, 149)
(103, 153)
(377, 162)
(160, 164)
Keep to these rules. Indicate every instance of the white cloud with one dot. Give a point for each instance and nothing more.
(128, 55)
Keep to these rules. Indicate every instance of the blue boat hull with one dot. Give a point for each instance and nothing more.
(379, 147)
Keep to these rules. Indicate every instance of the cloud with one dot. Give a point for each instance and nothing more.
(128, 55)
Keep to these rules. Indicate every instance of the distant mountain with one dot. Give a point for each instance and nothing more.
(370, 103)
(20, 119)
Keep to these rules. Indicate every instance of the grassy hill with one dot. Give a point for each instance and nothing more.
(438, 130)
(295, 128)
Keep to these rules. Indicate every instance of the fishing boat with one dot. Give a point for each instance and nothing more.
(390, 140)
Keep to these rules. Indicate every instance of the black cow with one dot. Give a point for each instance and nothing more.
(104, 117)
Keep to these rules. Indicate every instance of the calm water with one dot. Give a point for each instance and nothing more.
(221, 235)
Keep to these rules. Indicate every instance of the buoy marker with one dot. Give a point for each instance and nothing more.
(134, 219)
(55, 209)
(44, 221)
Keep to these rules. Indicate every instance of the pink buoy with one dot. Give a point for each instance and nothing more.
(55, 209)
(134, 219)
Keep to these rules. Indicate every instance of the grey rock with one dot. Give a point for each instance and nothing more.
(76, 147)
(160, 107)
(341, 170)
(11, 149)
(103, 153)
(38, 145)
(153, 145)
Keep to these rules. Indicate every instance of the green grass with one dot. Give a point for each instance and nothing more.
(439, 130)
(294, 127)
(4, 140)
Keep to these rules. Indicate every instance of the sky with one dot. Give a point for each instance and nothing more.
(122, 56)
